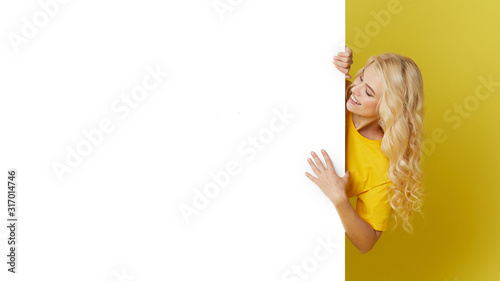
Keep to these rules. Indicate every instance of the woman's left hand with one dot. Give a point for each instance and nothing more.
(330, 183)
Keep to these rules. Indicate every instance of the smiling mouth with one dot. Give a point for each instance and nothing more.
(353, 99)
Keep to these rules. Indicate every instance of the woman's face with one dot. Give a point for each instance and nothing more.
(367, 91)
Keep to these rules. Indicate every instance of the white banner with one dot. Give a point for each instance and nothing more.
(168, 140)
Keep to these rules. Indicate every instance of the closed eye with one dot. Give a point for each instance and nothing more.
(361, 77)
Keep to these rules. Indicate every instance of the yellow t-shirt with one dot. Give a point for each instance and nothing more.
(369, 181)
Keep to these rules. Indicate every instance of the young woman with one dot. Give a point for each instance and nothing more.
(384, 137)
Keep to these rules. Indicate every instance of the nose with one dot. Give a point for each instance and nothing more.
(355, 90)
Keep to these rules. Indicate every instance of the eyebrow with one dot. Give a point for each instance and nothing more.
(367, 83)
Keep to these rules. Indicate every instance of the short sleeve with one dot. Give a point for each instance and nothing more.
(373, 206)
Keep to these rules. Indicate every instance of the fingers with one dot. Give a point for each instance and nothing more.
(344, 56)
(313, 167)
(348, 50)
(341, 63)
(343, 70)
(321, 167)
(329, 164)
(315, 180)
(339, 57)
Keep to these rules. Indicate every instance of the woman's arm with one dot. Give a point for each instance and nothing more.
(361, 234)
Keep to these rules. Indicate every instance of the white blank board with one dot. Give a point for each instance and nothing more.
(119, 115)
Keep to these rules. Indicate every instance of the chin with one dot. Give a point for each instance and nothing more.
(350, 107)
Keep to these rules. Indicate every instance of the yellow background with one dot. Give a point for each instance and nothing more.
(454, 43)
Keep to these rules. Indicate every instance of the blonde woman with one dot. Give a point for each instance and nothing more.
(384, 135)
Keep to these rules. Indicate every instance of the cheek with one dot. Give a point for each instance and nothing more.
(371, 104)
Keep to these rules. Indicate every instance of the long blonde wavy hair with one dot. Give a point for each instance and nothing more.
(400, 111)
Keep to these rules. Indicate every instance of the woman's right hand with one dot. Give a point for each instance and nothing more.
(343, 61)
